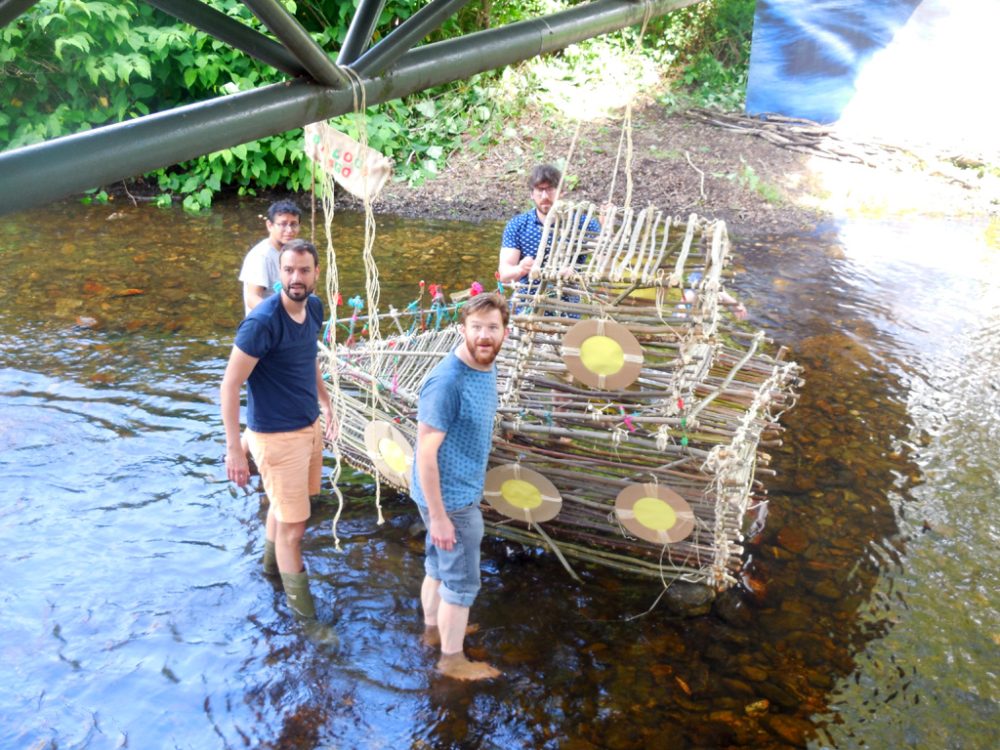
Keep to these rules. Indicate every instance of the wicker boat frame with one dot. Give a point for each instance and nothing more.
(696, 418)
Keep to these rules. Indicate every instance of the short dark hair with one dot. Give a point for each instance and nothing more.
(483, 302)
(300, 246)
(283, 207)
(544, 173)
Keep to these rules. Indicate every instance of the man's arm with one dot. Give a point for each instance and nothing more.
(512, 266)
(326, 406)
(238, 370)
(428, 443)
(739, 309)
(253, 295)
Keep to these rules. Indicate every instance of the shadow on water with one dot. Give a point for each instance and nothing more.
(136, 613)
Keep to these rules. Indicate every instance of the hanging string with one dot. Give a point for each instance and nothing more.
(312, 206)
(372, 288)
(626, 136)
(569, 158)
(332, 372)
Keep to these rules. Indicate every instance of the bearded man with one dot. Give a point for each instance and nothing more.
(275, 354)
(455, 412)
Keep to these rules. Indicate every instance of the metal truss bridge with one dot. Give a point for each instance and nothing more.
(319, 86)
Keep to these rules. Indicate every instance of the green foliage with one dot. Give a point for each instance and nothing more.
(748, 178)
(94, 196)
(711, 41)
(70, 65)
(420, 132)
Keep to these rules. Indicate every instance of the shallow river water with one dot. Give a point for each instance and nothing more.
(133, 612)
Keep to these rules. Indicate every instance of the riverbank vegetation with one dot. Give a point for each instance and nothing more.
(71, 65)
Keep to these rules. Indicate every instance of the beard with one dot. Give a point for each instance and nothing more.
(481, 357)
(298, 292)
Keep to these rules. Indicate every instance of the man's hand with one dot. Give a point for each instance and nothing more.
(525, 264)
(237, 467)
(332, 429)
(604, 212)
(443, 533)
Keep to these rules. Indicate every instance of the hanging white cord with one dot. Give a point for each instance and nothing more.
(333, 372)
(372, 288)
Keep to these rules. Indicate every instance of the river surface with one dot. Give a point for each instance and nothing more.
(133, 612)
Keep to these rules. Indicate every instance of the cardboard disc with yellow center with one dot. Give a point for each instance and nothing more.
(602, 354)
(390, 451)
(654, 513)
(521, 494)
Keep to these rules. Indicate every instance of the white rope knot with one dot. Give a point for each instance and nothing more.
(663, 437)
(618, 436)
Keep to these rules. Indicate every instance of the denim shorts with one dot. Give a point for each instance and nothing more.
(458, 570)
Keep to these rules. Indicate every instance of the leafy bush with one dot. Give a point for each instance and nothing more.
(712, 42)
(70, 65)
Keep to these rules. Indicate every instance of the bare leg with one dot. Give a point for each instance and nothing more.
(288, 545)
(431, 600)
(452, 621)
(269, 562)
(270, 525)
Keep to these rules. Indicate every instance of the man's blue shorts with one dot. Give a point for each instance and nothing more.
(458, 570)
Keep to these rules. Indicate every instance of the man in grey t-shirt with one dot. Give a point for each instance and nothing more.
(260, 273)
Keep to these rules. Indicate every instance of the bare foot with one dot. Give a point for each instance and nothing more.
(432, 636)
(458, 667)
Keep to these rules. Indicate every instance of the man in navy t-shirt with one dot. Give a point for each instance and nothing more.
(275, 355)
(455, 411)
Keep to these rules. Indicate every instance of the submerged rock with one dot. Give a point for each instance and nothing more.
(689, 599)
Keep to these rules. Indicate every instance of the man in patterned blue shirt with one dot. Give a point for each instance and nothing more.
(455, 412)
(523, 233)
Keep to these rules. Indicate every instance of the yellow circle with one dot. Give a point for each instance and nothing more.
(602, 355)
(654, 514)
(393, 455)
(521, 494)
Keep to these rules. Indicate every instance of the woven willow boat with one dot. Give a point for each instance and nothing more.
(633, 406)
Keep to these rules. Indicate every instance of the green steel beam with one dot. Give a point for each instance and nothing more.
(397, 43)
(37, 174)
(11, 9)
(297, 40)
(360, 32)
(233, 33)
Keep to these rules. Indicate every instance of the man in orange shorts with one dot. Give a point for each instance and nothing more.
(275, 355)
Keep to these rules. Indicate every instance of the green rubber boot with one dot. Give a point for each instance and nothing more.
(299, 597)
(301, 602)
(270, 559)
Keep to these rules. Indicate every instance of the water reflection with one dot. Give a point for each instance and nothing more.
(135, 613)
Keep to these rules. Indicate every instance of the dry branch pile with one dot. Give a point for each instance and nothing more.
(808, 137)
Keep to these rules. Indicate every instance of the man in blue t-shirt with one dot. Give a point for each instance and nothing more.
(275, 355)
(455, 412)
(523, 233)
